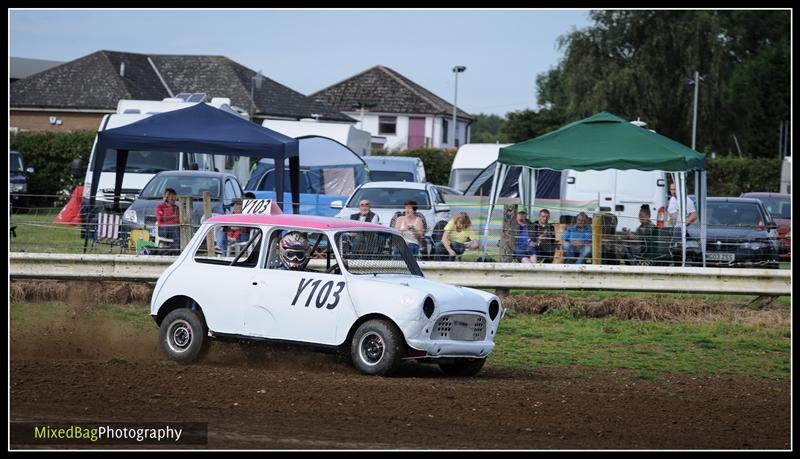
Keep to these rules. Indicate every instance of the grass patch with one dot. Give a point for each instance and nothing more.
(785, 300)
(644, 347)
(118, 360)
(137, 316)
(38, 233)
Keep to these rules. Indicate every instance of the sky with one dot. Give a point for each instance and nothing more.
(309, 50)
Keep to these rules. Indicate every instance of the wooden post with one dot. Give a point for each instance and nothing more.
(185, 209)
(597, 236)
(207, 215)
(558, 255)
(508, 239)
(508, 236)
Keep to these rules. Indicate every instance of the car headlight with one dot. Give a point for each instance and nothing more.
(130, 216)
(17, 187)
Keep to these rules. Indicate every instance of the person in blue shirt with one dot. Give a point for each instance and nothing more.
(522, 247)
(577, 240)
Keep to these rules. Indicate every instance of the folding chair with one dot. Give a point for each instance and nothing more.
(107, 231)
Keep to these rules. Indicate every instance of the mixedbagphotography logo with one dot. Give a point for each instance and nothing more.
(109, 433)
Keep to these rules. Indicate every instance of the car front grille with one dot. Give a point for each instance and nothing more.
(460, 327)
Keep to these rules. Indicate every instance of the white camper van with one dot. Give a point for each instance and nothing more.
(621, 192)
(143, 165)
(355, 139)
(470, 160)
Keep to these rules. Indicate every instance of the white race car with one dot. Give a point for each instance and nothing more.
(333, 283)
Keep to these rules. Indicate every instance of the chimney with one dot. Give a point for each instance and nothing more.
(122, 69)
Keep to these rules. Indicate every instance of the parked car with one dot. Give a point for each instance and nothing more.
(780, 206)
(741, 233)
(387, 200)
(224, 188)
(17, 179)
(364, 294)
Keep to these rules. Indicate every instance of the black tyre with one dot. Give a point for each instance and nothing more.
(184, 335)
(463, 367)
(376, 348)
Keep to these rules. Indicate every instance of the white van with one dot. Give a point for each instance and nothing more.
(355, 139)
(143, 165)
(470, 160)
(621, 192)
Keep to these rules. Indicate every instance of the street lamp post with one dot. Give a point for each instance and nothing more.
(457, 69)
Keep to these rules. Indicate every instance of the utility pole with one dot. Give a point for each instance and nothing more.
(457, 69)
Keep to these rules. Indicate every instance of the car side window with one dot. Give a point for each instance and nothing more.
(313, 252)
(238, 246)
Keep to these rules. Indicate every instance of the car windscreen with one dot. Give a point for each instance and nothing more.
(734, 214)
(15, 161)
(144, 162)
(268, 182)
(376, 252)
(184, 185)
(391, 198)
(779, 208)
(391, 176)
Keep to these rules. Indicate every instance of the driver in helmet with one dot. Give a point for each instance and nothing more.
(294, 250)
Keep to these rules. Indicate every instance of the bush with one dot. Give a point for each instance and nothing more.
(438, 162)
(50, 154)
(731, 176)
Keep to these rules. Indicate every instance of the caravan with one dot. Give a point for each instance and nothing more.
(143, 165)
(470, 160)
(355, 139)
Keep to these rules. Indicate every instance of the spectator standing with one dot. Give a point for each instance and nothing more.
(232, 234)
(168, 217)
(577, 240)
(637, 241)
(673, 219)
(456, 237)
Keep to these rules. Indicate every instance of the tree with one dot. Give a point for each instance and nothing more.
(487, 129)
(638, 63)
(527, 124)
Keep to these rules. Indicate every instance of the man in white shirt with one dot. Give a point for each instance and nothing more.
(673, 219)
(364, 213)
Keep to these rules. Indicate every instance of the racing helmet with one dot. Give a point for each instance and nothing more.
(294, 250)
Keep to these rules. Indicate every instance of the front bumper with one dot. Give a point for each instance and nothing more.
(449, 348)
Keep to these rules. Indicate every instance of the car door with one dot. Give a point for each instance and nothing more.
(297, 305)
(220, 284)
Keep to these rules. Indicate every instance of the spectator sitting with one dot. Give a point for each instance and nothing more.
(457, 233)
(522, 247)
(543, 238)
(167, 217)
(637, 241)
(364, 213)
(411, 226)
(577, 240)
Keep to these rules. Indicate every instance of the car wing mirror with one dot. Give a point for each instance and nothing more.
(441, 207)
(337, 204)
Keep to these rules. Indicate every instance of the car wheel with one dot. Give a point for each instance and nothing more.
(184, 335)
(463, 367)
(376, 348)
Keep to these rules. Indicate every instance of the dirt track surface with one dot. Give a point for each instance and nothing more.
(294, 399)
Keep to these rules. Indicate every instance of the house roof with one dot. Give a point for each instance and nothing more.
(93, 82)
(389, 91)
(21, 67)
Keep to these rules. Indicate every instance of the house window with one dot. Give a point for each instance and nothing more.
(387, 125)
(445, 130)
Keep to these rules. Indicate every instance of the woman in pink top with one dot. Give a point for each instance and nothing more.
(167, 217)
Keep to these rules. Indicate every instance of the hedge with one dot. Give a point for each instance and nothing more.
(732, 176)
(50, 154)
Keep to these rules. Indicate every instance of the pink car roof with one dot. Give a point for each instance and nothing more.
(304, 221)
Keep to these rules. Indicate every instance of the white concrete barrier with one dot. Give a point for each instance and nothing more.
(481, 275)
